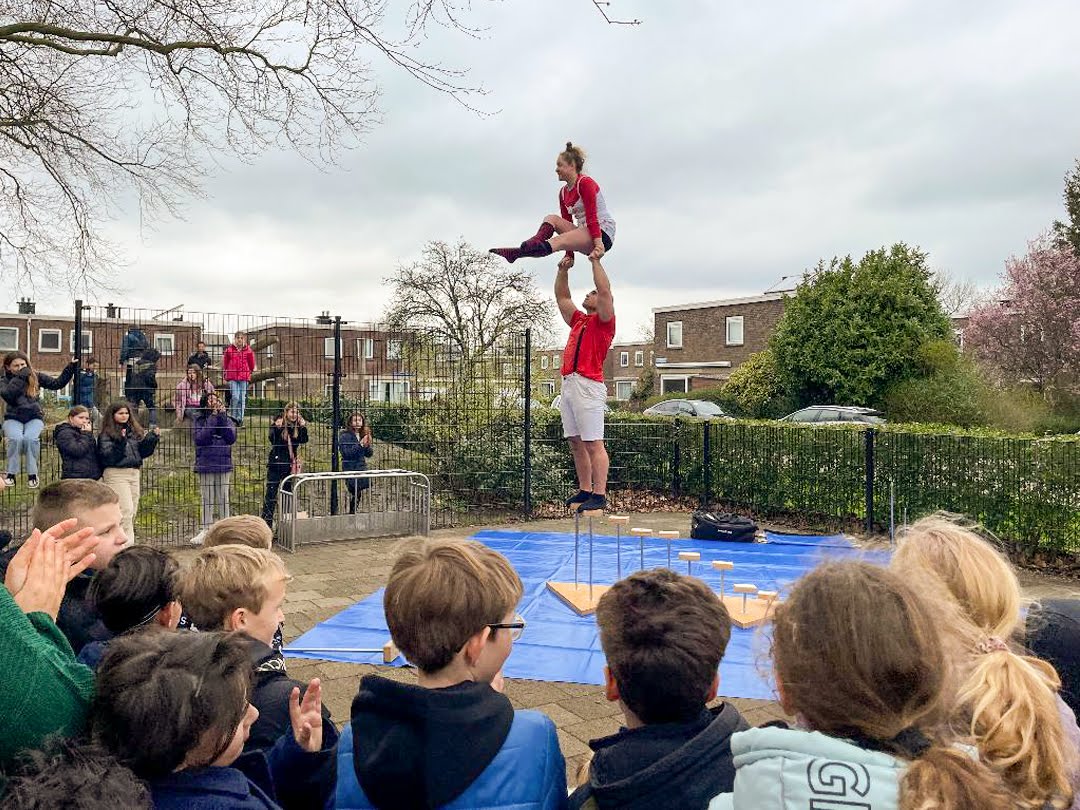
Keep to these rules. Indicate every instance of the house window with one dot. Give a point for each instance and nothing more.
(555, 361)
(508, 370)
(365, 348)
(734, 330)
(9, 339)
(86, 345)
(328, 348)
(639, 358)
(49, 340)
(543, 362)
(393, 350)
(674, 335)
(547, 388)
(623, 389)
(328, 390)
(674, 385)
(395, 391)
(165, 343)
(624, 359)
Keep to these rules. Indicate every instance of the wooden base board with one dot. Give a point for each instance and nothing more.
(577, 596)
(757, 610)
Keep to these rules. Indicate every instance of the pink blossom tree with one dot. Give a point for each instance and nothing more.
(1030, 329)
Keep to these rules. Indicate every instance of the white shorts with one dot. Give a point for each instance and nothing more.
(582, 407)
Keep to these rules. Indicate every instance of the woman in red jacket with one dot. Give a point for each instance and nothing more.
(237, 364)
(583, 225)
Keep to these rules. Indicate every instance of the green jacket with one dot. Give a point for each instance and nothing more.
(45, 691)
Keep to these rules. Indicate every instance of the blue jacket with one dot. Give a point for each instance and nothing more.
(790, 769)
(87, 388)
(354, 455)
(464, 742)
(214, 437)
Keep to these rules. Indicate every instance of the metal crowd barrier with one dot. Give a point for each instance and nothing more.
(396, 502)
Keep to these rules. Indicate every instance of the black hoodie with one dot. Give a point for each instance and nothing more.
(270, 694)
(681, 765)
(421, 748)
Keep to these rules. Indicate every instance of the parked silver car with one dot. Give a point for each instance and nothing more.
(835, 414)
(688, 408)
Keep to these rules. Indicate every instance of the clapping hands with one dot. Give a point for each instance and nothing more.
(40, 571)
(306, 716)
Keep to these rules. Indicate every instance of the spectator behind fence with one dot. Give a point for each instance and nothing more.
(90, 388)
(141, 383)
(859, 658)
(215, 434)
(173, 707)
(122, 446)
(1009, 700)
(452, 740)
(74, 440)
(94, 507)
(137, 588)
(200, 357)
(45, 690)
(242, 589)
(189, 393)
(24, 418)
(75, 775)
(355, 446)
(237, 366)
(663, 636)
(287, 433)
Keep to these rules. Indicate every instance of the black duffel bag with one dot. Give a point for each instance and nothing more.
(722, 526)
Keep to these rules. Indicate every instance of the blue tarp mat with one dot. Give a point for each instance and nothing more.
(559, 645)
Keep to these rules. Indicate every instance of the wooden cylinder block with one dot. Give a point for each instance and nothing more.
(641, 532)
(767, 595)
(593, 513)
(689, 556)
(618, 518)
(668, 534)
(744, 588)
(723, 565)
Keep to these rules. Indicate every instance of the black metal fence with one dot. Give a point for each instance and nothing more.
(433, 406)
(495, 452)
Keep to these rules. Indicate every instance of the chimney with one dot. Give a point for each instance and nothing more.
(111, 310)
(27, 307)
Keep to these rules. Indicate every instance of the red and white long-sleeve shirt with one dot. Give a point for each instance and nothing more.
(584, 204)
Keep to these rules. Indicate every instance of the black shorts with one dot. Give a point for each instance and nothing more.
(607, 240)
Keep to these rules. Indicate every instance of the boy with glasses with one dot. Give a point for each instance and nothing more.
(452, 739)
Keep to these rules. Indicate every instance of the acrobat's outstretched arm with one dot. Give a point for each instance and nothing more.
(562, 293)
(605, 304)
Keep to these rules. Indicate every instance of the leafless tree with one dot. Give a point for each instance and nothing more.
(470, 297)
(958, 296)
(105, 102)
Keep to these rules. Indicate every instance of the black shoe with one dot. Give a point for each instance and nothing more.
(32, 481)
(581, 497)
(594, 501)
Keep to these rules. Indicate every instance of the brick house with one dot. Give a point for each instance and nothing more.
(699, 345)
(49, 342)
(624, 363)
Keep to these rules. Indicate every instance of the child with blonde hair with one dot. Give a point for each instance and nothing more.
(1007, 700)
(859, 658)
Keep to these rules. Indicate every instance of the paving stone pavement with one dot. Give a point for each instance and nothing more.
(329, 577)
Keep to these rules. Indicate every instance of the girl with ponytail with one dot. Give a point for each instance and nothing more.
(583, 224)
(1007, 701)
(859, 660)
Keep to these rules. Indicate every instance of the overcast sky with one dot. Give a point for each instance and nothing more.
(735, 143)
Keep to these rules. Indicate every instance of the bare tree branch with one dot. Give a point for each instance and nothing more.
(601, 6)
(102, 99)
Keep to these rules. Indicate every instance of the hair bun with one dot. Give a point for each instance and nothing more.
(569, 145)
